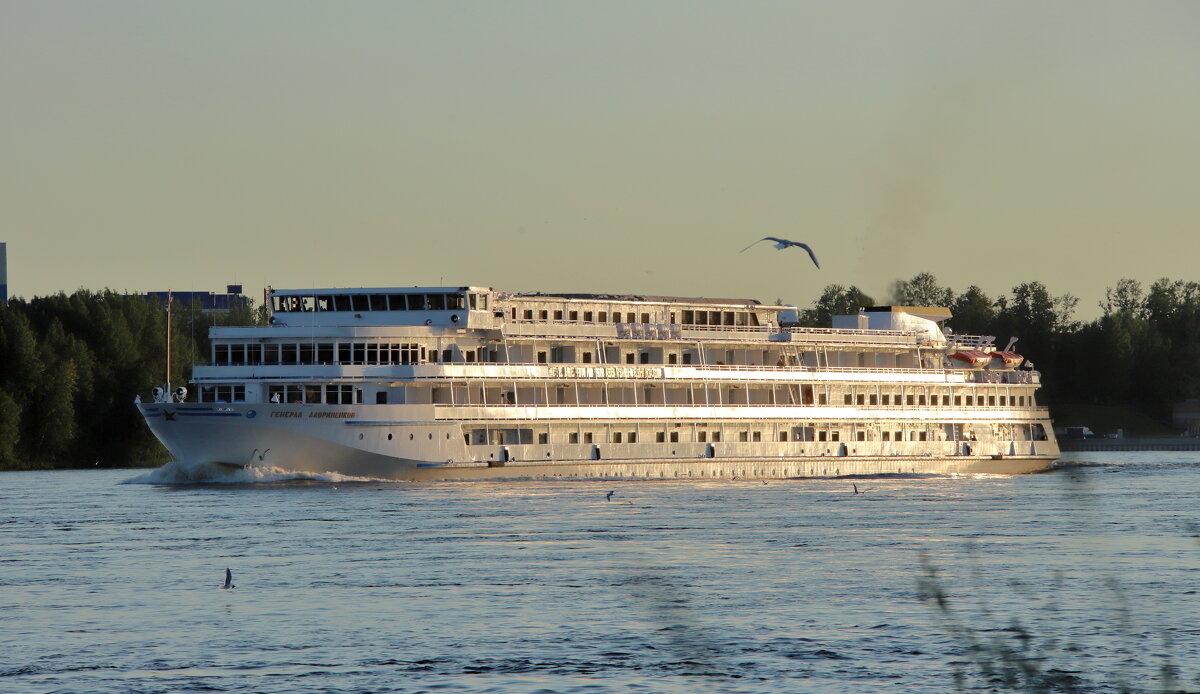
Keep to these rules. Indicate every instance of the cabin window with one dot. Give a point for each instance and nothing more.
(644, 357)
(360, 353)
(743, 436)
(689, 317)
(848, 398)
(528, 314)
(325, 352)
(381, 397)
(821, 435)
(455, 302)
(859, 399)
(887, 399)
(835, 435)
(573, 437)
(716, 436)
(587, 437)
(728, 316)
(306, 353)
(541, 357)
(633, 437)
(714, 317)
(672, 358)
(254, 354)
(544, 315)
(742, 318)
(922, 436)
(379, 302)
(823, 399)
(587, 357)
(237, 354)
(674, 437)
(587, 317)
(289, 353)
(660, 437)
(757, 436)
(783, 436)
(645, 317)
(630, 318)
(435, 302)
(312, 394)
(887, 436)
(970, 400)
(573, 315)
(271, 354)
(372, 353)
(908, 400)
(220, 354)
(921, 399)
(687, 358)
(702, 436)
(616, 437)
(543, 437)
(470, 355)
(359, 303)
(991, 401)
(447, 355)
(474, 301)
(558, 315)
(603, 317)
(874, 399)
(629, 358)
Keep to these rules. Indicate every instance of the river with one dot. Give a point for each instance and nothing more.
(1084, 577)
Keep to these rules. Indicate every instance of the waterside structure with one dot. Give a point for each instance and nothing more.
(469, 382)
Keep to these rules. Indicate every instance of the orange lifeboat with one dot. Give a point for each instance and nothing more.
(973, 357)
(1008, 360)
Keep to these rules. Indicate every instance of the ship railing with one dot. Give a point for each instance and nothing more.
(1035, 412)
(522, 327)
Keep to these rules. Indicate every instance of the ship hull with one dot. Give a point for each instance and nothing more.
(324, 441)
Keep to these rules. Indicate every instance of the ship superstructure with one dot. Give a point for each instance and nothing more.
(469, 382)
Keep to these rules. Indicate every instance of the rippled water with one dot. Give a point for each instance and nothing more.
(1091, 572)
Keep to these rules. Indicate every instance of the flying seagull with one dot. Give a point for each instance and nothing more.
(608, 497)
(784, 243)
(228, 580)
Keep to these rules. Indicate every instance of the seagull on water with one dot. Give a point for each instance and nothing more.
(784, 243)
(228, 580)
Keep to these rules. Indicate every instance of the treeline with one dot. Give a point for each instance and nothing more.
(1142, 353)
(70, 367)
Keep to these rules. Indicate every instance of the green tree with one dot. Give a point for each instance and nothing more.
(921, 290)
(835, 300)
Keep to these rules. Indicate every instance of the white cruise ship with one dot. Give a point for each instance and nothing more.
(472, 383)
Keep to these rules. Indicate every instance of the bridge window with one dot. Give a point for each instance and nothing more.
(359, 302)
(341, 302)
(325, 303)
(306, 353)
(436, 302)
(455, 302)
(220, 354)
(254, 354)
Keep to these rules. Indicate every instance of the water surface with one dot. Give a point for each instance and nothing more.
(1090, 573)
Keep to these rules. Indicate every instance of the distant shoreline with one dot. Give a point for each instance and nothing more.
(1170, 443)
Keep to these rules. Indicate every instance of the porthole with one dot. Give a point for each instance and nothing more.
(447, 436)
(430, 436)
(389, 437)
(360, 437)
(410, 437)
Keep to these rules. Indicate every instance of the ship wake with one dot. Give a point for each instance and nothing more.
(176, 473)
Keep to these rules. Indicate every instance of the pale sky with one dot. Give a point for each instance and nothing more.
(628, 147)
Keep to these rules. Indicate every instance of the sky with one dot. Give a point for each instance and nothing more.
(626, 147)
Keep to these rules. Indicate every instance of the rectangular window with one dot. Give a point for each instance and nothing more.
(343, 353)
(270, 354)
(306, 353)
(220, 354)
(821, 436)
(921, 399)
(991, 401)
(324, 303)
(455, 302)
(587, 316)
(859, 399)
(544, 315)
(573, 437)
(372, 353)
(341, 303)
(743, 436)
(849, 399)
(887, 399)
(587, 437)
(254, 354)
(289, 354)
(757, 436)
(603, 317)
(312, 394)
(674, 437)
(633, 437)
(558, 315)
(360, 353)
(359, 302)
(660, 437)
(908, 400)
(379, 302)
(573, 315)
(543, 437)
(887, 436)
(874, 399)
(716, 437)
(436, 302)
(237, 354)
(616, 437)
(541, 357)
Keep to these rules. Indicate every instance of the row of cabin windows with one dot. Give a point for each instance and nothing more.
(378, 302)
(729, 318)
(919, 399)
(323, 353)
(948, 432)
(227, 393)
(315, 393)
